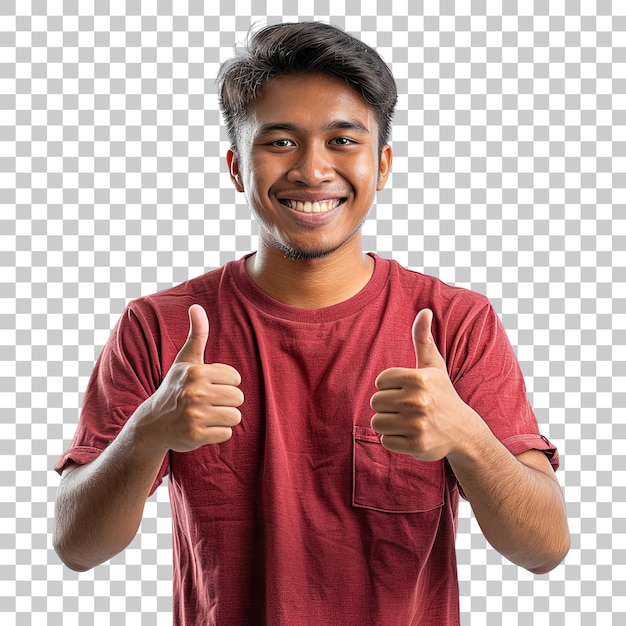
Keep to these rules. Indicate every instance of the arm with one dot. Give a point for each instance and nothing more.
(517, 500)
(99, 506)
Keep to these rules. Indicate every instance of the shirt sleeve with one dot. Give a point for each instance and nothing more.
(485, 372)
(126, 373)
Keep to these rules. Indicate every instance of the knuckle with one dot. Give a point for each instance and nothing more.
(222, 435)
(233, 396)
(189, 396)
(223, 372)
(227, 416)
(418, 403)
(375, 402)
(192, 372)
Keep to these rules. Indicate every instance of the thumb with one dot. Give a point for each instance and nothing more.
(426, 352)
(193, 350)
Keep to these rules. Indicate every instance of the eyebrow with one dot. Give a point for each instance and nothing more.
(354, 125)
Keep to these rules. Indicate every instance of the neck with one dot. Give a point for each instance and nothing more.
(311, 283)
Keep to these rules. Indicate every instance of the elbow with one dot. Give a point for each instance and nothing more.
(552, 559)
(68, 561)
(545, 568)
(80, 555)
(74, 565)
(67, 557)
(68, 547)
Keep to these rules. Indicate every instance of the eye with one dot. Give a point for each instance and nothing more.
(282, 143)
(342, 141)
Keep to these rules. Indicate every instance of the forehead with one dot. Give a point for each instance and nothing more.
(310, 101)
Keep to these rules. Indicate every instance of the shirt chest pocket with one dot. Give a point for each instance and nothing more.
(391, 482)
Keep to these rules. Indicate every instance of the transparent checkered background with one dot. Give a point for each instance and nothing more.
(509, 178)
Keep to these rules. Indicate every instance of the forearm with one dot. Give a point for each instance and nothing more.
(99, 506)
(518, 505)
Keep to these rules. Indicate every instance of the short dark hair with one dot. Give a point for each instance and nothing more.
(301, 48)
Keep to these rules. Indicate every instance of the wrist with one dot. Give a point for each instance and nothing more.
(143, 433)
(474, 444)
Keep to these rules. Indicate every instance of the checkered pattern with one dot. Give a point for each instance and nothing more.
(509, 178)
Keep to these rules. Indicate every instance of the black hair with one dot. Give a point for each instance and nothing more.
(301, 48)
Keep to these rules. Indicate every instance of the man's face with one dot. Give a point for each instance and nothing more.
(308, 162)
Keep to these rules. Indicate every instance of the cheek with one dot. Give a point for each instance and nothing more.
(257, 188)
(260, 175)
(362, 168)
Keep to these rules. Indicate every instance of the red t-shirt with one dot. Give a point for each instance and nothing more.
(303, 517)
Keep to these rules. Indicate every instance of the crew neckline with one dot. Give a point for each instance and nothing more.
(264, 302)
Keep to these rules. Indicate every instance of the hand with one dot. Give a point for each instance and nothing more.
(418, 411)
(196, 404)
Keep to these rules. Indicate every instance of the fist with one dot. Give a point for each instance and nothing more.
(418, 411)
(197, 403)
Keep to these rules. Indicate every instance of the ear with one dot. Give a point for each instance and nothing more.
(384, 166)
(233, 168)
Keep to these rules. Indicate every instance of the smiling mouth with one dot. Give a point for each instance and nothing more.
(313, 207)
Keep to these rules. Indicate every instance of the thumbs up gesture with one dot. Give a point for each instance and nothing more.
(418, 411)
(197, 403)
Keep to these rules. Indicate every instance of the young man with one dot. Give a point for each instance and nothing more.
(321, 409)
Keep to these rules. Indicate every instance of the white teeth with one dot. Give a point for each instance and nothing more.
(312, 207)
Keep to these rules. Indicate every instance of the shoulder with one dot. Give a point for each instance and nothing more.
(155, 326)
(160, 317)
(202, 290)
(462, 319)
(432, 291)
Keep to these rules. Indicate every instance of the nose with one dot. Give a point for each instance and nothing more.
(312, 165)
